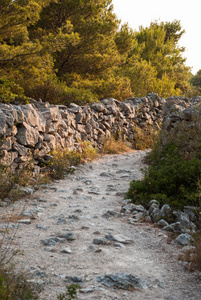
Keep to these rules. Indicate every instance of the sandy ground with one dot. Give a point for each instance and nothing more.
(78, 205)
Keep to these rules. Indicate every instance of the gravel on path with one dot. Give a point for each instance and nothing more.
(75, 233)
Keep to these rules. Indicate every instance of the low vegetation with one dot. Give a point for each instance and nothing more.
(169, 178)
(145, 137)
(10, 181)
(62, 161)
(13, 286)
(115, 146)
(173, 174)
(71, 292)
(196, 257)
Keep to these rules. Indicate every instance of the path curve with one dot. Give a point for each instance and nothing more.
(66, 240)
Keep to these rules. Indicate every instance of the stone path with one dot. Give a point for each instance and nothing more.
(74, 231)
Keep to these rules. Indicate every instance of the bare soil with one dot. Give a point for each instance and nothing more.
(78, 205)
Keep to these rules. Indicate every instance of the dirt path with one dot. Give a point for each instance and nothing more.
(79, 235)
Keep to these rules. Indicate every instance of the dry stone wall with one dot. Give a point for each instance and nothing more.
(32, 131)
(182, 122)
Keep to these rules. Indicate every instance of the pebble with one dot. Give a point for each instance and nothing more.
(87, 290)
(69, 236)
(74, 205)
(27, 191)
(162, 223)
(123, 171)
(49, 242)
(74, 279)
(111, 189)
(101, 241)
(94, 190)
(119, 238)
(66, 250)
(97, 232)
(121, 281)
(42, 200)
(119, 245)
(49, 249)
(88, 182)
(25, 221)
(39, 226)
(184, 239)
(109, 214)
(105, 174)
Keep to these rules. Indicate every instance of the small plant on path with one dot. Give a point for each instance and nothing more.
(71, 292)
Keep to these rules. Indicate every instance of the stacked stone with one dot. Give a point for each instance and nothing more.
(181, 116)
(149, 110)
(181, 110)
(32, 131)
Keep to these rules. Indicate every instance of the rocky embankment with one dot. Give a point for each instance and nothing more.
(184, 223)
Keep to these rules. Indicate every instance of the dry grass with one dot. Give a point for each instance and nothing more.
(145, 138)
(10, 181)
(87, 151)
(113, 146)
(12, 217)
(63, 160)
(13, 286)
(196, 257)
(60, 163)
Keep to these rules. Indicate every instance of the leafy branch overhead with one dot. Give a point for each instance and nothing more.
(60, 50)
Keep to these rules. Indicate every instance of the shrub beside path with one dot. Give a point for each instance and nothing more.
(73, 231)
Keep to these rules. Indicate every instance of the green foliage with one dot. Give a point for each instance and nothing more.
(71, 292)
(195, 81)
(93, 22)
(23, 59)
(56, 92)
(10, 91)
(109, 84)
(61, 162)
(170, 178)
(66, 51)
(79, 96)
(155, 60)
(125, 40)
